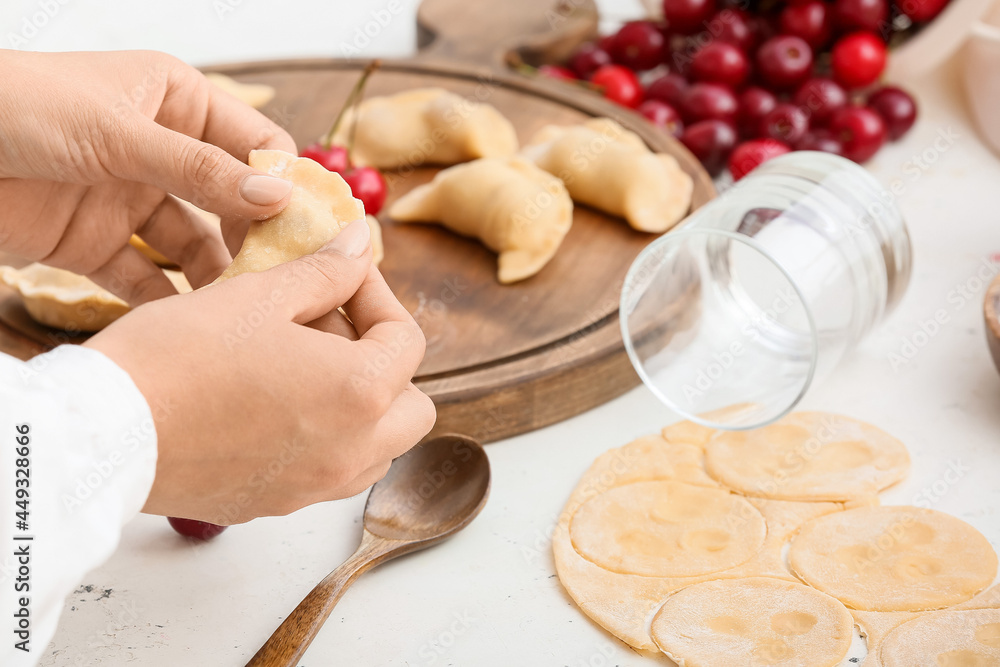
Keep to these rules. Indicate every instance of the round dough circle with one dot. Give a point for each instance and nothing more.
(893, 558)
(667, 529)
(756, 621)
(808, 456)
(946, 639)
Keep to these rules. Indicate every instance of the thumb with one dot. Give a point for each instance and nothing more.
(317, 284)
(200, 173)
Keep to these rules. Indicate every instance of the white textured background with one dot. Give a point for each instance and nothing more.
(489, 596)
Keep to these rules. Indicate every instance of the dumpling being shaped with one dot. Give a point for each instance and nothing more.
(426, 126)
(321, 205)
(605, 166)
(512, 206)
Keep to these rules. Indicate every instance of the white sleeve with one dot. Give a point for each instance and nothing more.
(85, 470)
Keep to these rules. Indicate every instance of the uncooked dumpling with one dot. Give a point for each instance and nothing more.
(425, 126)
(254, 94)
(605, 166)
(321, 205)
(378, 249)
(512, 206)
(808, 456)
(946, 639)
(64, 300)
(893, 558)
(756, 621)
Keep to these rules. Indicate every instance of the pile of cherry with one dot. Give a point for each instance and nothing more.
(742, 85)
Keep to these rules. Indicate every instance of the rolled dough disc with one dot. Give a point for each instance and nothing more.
(946, 639)
(876, 625)
(667, 529)
(808, 456)
(756, 621)
(893, 558)
(624, 603)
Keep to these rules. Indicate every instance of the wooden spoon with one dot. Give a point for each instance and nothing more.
(430, 493)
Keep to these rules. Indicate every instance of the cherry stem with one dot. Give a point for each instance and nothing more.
(351, 103)
(515, 62)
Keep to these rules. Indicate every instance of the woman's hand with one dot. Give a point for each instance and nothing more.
(92, 145)
(257, 415)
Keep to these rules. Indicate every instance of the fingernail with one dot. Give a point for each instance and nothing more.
(352, 241)
(264, 190)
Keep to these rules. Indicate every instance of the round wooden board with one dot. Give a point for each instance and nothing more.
(501, 359)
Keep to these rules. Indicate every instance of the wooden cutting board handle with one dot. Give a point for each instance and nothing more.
(536, 31)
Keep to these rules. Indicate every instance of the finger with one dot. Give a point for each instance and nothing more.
(360, 483)
(409, 419)
(131, 276)
(188, 239)
(198, 172)
(238, 128)
(390, 338)
(316, 284)
(234, 230)
(334, 322)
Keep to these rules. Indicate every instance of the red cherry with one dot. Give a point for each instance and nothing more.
(606, 42)
(333, 158)
(784, 61)
(850, 15)
(620, 85)
(557, 72)
(810, 21)
(369, 186)
(858, 59)
(199, 530)
(668, 88)
(820, 140)
(588, 59)
(897, 109)
(754, 104)
(639, 45)
(711, 141)
(786, 123)
(703, 101)
(734, 26)
(720, 62)
(687, 16)
(820, 98)
(750, 154)
(662, 115)
(921, 11)
(861, 131)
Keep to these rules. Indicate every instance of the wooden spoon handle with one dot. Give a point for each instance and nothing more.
(289, 642)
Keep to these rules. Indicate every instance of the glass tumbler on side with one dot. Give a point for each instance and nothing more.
(730, 318)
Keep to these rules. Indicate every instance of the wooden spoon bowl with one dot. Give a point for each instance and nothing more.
(428, 495)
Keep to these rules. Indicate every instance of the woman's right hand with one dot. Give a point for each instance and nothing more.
(257, 414)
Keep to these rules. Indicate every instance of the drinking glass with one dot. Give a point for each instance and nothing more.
(729, 318)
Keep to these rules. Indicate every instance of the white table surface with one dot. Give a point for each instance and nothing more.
(490, 595)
